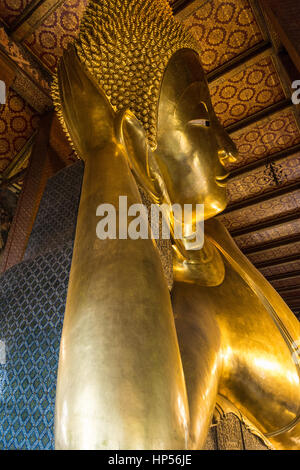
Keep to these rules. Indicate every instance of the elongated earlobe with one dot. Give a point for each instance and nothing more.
(131, 135)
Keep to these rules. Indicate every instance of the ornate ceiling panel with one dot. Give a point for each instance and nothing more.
(224, 30)
(279, 232)
(274, 133)
(18, 121)
(56, 32)
(11, 9)
(276, 253)
(18, 55)
(241, 94)
(266, 210)
(260, 181)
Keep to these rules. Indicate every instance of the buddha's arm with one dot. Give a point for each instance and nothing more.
(259, 362)
(263, 338)
(199, 338)
(120, 380)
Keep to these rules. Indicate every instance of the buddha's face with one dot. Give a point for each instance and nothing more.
(193, 148)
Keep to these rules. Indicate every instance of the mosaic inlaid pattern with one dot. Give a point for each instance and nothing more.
(259, 181)
(230, 433)
(263, 211)
(55, 225)
(33, 295)
(56, 32)
(277, 132)
(11, 9)
(281, 269)
(18, 121)
(224, 30)
(274, 254)
(243, 94)
(279, 232)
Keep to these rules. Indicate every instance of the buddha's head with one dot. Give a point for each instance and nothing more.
(193, 149)
(147, 63)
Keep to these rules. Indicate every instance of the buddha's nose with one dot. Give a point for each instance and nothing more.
(228, 151)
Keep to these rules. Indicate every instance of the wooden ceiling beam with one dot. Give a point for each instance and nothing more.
(13, 180)
(294, 299)
(285, 19)
(280, 277)
(278, 261)
(240, 60)
(272, 244)
(20, 160)
(263, 161)
(281, 191)
(288, 289)
(260, 115)
(30, 19)
(266, 224)
(30, 80)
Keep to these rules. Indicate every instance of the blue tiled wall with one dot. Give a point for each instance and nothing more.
(32, 304)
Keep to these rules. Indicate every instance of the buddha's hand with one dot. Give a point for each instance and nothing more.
(86, 111)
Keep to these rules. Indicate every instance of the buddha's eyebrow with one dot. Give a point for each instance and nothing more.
(205, 105)
(199, 110)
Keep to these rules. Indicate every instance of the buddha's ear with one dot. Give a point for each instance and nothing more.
(131, 134)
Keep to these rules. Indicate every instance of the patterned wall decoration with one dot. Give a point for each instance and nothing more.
(276, 253)
(281, 269)
(30, 325)
(17, 53)
(17, 123)
(238, 95)
(224, 30)
(56, 219)
(279, 232)
(263, 211)
(11, 9)
(34, 294)
(56, 32)
(255, 182)
(270, 135)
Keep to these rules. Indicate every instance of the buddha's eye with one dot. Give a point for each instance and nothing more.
(199, 123)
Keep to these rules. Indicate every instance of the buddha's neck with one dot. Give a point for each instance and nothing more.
(204, 267)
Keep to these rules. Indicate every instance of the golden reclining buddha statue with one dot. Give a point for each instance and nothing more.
(138, 368)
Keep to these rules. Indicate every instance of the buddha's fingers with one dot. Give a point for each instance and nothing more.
(86, 110)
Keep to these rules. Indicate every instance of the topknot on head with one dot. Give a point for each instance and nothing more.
(126, 45)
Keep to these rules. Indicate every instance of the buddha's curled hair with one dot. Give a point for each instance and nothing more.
(126, 45)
